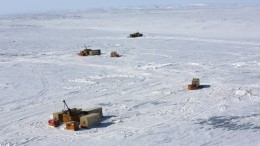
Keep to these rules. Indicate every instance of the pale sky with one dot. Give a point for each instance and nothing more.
(31, 6)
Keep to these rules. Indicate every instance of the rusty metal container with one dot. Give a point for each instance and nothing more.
(68, 118)
(95, 52)
(189, 87)
(192, 87)
(72, 125)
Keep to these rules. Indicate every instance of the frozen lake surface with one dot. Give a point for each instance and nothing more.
(143, 93)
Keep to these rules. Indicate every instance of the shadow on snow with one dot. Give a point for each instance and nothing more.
(230, 122)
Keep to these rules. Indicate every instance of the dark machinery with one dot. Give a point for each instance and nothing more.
(134, 35)
(66, 111)
(70, 112)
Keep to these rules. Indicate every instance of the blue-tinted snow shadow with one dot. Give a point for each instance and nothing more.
(204, 86)
(102, 124)
(105, 124)
(230, 123)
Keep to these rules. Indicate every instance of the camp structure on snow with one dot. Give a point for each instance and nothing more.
(134, 35)
(89, 52)
(72, 117)
(75, 114)
(114, 54)
(195, 84)
(85, 52)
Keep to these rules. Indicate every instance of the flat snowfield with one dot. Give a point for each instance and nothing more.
(144, 92)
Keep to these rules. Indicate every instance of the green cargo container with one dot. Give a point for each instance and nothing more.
(95, 52)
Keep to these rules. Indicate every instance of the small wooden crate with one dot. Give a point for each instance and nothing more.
(196, 82)
(189, 87)
(114, 54)
(72, 125)
(86, 51)
(68, 118)
(58, 116)
(81, 53)
(89, 120)
(192, 87)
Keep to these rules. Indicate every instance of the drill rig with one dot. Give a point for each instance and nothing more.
(72, 117)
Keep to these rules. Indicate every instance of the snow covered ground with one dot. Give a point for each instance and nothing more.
(143, 93)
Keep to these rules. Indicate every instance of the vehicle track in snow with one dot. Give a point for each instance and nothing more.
(207, 40)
